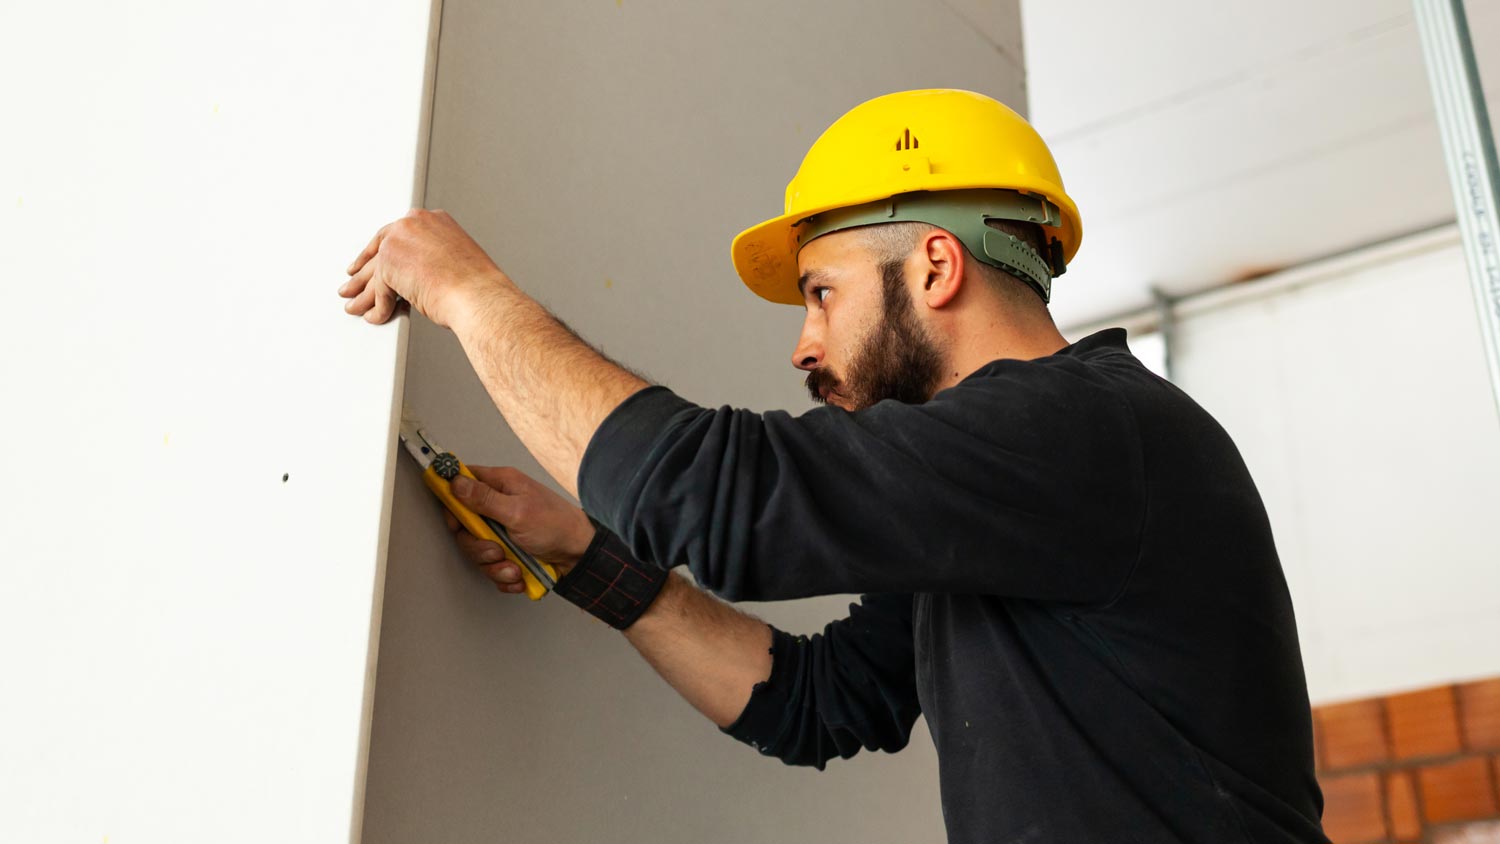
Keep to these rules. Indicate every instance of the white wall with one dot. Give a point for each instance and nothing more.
(1358, 395)
(198, 438)
(1199, 147)
(605, 154)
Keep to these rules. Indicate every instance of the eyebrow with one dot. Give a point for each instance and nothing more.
(809, 276)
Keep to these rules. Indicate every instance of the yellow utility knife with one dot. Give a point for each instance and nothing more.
(439, 467)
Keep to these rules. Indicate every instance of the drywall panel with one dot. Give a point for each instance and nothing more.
(199, 440)
(1362, 407)
(605, 154)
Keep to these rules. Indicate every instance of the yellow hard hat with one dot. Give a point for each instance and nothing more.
(905, 147)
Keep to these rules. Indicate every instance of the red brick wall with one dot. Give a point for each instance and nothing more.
(1422, 766)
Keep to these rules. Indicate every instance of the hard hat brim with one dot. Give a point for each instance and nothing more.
(765, 256)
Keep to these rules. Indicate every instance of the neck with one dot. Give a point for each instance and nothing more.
(996, 335)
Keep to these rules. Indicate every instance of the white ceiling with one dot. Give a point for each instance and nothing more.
(1205, 142)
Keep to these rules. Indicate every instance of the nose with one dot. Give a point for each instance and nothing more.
(808, 354)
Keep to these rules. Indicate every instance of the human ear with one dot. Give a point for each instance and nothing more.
(945, 265)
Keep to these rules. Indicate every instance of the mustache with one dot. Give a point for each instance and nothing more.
(819, 381)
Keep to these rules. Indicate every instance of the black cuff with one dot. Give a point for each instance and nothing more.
(762, 721)
(609, 583)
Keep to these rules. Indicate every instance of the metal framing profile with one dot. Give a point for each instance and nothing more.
(1469, 147)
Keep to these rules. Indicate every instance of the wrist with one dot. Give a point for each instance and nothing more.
(575, 545)
(610, 584)
(583, 537)
(479, 300)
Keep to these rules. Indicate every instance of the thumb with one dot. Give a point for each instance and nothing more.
(479, 497)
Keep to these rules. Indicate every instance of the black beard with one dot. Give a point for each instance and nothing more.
(898, 360)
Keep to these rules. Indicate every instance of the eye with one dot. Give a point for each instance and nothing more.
(821, 293)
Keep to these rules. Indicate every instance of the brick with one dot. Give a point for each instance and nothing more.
(1423, 723)
(1458, 791)
(1352, 811)
(1352, 734)
(1401, 805)
(1479, 709)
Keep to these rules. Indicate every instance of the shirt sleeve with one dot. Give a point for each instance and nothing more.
(851, 686)
(1025, 483)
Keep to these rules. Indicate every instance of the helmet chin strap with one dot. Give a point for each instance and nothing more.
(965, 214)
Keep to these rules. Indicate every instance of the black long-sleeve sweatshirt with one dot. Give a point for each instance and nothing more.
(1067, 569)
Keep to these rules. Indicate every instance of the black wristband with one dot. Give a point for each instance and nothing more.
(609, 583)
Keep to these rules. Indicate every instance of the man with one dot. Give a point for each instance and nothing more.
(1063, 561)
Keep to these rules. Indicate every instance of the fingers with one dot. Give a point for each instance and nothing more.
(356, 284)
(384, 307)
(367, 297)
(488, 498)
(505, 479)
(361, 303)
(369, 251)
(505, 574)
(490, 557)
(485, 499)
(376, 303)
(481, 551)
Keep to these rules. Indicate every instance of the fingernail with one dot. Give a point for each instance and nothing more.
(492, 555)
(462, 485)
(509, 574)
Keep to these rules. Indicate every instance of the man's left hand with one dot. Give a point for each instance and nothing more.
(425, 258)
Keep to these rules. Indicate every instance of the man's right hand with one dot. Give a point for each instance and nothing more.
(542, 522)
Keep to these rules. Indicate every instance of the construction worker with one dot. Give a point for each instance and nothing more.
(1062, 560)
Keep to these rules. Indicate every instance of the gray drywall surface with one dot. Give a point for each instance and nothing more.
(605, 154)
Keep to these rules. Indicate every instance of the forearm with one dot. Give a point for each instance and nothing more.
(801, 699)
(711, 653)
(552, 388)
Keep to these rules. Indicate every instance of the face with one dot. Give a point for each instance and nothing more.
(862, 341)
